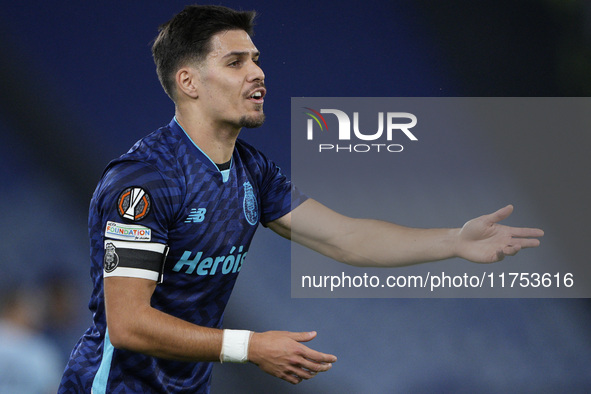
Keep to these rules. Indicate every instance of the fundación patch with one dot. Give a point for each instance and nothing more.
(127, 232)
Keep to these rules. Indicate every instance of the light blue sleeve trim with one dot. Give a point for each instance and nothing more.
(225, 173)
(99, 384)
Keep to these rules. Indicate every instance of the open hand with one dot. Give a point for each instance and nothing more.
(484, 240)
(281, 354)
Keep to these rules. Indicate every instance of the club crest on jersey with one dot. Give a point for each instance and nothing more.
(250, 205)
(134, 203)
(111, 259)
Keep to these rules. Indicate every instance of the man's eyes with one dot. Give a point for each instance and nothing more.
(238, 63)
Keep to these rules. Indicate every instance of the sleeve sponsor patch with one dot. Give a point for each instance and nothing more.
(134, 203)
(127, 232)
(135, 260)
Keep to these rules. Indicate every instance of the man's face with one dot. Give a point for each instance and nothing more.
(231, 82)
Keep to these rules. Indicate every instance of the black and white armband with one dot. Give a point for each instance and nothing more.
(134, 259)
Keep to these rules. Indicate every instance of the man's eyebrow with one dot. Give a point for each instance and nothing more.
(241, 53)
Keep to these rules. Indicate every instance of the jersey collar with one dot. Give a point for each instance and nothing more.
(175, 125)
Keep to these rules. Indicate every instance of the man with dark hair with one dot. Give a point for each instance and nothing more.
(171, 222)
(186, 38)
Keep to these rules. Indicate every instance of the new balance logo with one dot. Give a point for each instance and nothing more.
(197, 215)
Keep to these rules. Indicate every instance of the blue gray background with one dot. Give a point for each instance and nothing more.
(79, 88)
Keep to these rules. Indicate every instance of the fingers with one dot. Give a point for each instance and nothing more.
(529, 243)
(521, 237)
(310, 362)
(516, 245)
(311, 354)
(501, 214)
(520, 232)
(302, 336)
(511, 250)
(525, 237)
(282, 354)
(313, 367)
(318, 357)
(305, 370)
(526, 232)
(293, 379)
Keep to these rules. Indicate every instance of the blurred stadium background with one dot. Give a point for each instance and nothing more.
(79, 88)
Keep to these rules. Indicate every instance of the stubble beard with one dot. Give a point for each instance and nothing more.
(253, 121)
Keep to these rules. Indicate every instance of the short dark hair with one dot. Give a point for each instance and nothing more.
(187, 37)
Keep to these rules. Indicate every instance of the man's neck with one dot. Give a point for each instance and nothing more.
(215, 141)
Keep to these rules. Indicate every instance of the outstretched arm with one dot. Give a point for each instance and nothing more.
(366, 242)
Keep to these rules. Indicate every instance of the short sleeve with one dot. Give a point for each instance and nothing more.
(134, 209)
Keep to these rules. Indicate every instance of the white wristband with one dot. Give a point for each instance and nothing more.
(235, 346)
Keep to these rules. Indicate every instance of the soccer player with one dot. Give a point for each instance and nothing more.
(171, 222)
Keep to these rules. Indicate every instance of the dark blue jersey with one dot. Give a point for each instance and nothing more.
(165, 212)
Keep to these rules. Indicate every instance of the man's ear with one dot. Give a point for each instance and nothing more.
(187, 82)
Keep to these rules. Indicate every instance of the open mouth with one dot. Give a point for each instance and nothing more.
(257, 95)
